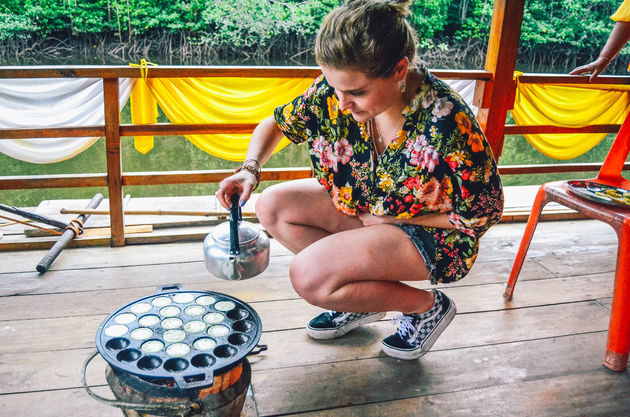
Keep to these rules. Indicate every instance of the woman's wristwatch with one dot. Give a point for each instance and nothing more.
(252, 166)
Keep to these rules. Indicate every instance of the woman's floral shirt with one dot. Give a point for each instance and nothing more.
(439, 162)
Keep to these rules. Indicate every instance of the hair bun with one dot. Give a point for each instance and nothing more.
(403, 7)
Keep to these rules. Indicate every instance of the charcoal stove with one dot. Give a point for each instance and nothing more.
(178, 353)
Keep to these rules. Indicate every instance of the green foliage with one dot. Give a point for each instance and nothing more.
(572, 24)
(248, 23)
(13, 26)
(430, 17)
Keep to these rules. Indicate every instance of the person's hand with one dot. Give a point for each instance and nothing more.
(241, 183)
(594, 68)
(370, 220)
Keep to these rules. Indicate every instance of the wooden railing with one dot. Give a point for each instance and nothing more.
(112, 130)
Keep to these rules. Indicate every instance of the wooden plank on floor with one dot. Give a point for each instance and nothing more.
(500, 376)
(42, 335)
(77, 258)
(551, 238)
(73, 268)
(466, 330)
(592, 393)
(332, 385)
(269, 294)
(59, 403)
(75, 403)
(193, 275)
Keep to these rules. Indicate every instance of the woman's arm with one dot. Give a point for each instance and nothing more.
(439, 220)
(265, 138)
(617, 39)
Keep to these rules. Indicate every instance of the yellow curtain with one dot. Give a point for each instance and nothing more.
(571, 106)
(217, 100)
(143, 111)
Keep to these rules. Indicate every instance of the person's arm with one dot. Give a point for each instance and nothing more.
(617, 39)
(265, 138)
(439, 220)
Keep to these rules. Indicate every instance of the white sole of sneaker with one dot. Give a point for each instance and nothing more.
(340, 331)
(415, 354)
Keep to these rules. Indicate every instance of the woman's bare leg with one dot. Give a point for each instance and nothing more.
(298, 213)
(360, 270)
(340, 264)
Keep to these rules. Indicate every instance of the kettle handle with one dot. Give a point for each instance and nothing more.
(235, 219)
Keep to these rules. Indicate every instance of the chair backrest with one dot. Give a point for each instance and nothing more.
(610, 172)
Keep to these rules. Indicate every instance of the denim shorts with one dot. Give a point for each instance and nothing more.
(425, 243)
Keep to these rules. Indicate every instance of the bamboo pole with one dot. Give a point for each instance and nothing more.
(158, 212)
(37, 217)
(70, 233)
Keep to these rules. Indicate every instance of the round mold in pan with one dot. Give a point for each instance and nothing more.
(126, 353)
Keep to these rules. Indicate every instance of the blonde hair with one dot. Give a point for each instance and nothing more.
(370, 36)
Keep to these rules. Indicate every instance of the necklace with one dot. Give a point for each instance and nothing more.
(374, 132)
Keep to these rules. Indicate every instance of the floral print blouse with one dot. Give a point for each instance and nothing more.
(440, 162)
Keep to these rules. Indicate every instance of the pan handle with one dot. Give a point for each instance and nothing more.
(258, 349)
(187, 408)
(235, 219)
(167, 288)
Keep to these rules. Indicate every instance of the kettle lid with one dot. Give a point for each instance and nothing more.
(246, 233)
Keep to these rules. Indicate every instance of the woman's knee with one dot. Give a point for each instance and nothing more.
(268, 206)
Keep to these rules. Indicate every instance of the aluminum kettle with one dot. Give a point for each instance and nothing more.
(236, 250)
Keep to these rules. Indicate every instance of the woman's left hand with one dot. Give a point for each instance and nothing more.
(370, 220)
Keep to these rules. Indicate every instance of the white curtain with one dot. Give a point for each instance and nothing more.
(52, 102)
(466, 89)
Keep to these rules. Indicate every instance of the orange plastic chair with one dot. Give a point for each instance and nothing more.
(618, 344)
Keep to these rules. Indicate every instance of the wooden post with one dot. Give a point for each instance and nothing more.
(494, 98)
(114, 161)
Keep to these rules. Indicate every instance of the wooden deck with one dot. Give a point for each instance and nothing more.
(539, 355)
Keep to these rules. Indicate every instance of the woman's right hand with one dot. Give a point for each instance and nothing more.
(595, 68)
(241, 183)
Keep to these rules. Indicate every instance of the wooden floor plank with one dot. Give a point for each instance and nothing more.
(40, 335)
(563, 237)
(86, 258)
(597, 393)
(324, 386)
(192, 273)
(267, 292)
(436, 386)
(499, 243)
(75, 402)
(61, 403)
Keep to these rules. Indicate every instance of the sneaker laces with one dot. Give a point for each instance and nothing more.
(335, 316)
(405, 326)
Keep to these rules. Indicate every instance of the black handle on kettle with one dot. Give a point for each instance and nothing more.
(235, 219)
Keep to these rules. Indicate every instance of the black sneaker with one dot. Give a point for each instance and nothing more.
(418, 332)
(333, 324)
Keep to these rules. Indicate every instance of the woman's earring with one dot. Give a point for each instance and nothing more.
(403, 86)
